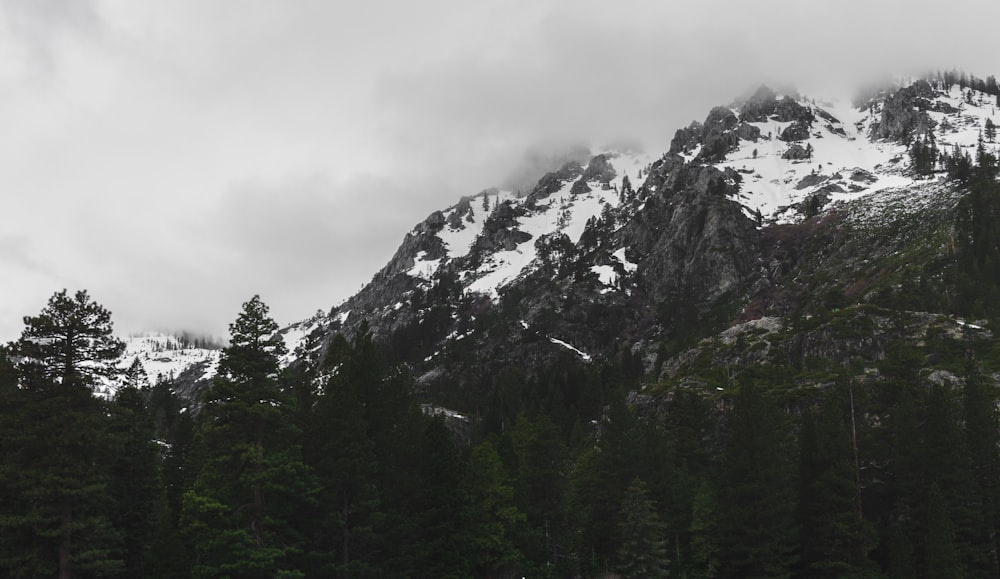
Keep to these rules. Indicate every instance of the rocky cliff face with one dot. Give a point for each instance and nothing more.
(691, 238)
(771, 209)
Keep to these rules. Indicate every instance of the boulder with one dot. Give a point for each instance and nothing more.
(599, 169)
(797, 131)
(580, 187)
(795, 152)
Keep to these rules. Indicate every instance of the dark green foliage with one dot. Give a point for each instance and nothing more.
(833, 539)
(8, 375)
(252, 484)
(643, 553)
(491, 516)
(55, 465)
(150, 544)
(704, 561)
(982, 438)
(923, 155)
(757, 533)
(941, 557)
(330, 469)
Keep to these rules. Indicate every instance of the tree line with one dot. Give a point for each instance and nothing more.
(333, 471)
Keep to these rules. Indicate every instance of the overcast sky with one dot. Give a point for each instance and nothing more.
(176, 157)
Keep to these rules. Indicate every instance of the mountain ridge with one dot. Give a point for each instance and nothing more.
(588, 264)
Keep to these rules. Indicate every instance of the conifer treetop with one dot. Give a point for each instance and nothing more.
(69, 342)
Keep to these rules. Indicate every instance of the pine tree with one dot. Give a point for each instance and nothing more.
(136, 376)
(982, 437)
(490, 514)
(643, 553)
(757, 532)
(151, 547)
(56, 522)
(990, 131)
(832, 532)
(69, 347)
(941, 556)
(438, 525)
(342, 455)
(542, 460)
(253, 482)
(704, 534)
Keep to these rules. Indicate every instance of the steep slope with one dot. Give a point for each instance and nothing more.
(187, 363)
(777, 205)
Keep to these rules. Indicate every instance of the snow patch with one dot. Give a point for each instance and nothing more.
(586, 357)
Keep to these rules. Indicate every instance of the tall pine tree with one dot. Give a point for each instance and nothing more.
(253, 484)
(56, 477)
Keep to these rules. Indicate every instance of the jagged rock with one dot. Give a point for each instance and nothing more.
(797, 131)
(689, 245)
(434, 223)
(787, 110)
(830, 188)
(686, 139)
(795, 152)
(836, 130)
(759, 107)
(862, 176)
(943, 107)
(764, 105)
(748, 132)
(462, 211)
(718, 136)
(554, 181)
(580, 187)
(696, 244)
(500, 231)
(904, 114)
(827, 117)
(599, 169)
(811, 180)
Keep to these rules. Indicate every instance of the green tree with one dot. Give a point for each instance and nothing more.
(342, 455)
(757, 532)
(253, 484)
(542, 464)
(833, 536)
(491, 515)
(704, 534)
(982, 436)
(150, 544)
(56, 475)
(941, 556)
(643, 552)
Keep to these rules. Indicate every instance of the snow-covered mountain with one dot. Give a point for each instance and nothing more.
(187, 363)
(629, 250)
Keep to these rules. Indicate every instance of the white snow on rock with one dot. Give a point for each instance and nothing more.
(295, 336)
(424, 268)
(845, 161)
(560, 212)
(586, 357)
(606, 274)
(628, 265)
(163, 357)
(458, 241)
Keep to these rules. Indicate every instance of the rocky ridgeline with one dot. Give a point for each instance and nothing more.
(679, 253)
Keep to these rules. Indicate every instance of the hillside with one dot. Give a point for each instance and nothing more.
(776, 205)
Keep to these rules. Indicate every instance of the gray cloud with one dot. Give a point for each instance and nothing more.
(176, 158)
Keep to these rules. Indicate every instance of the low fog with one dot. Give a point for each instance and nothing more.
(175, 158)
